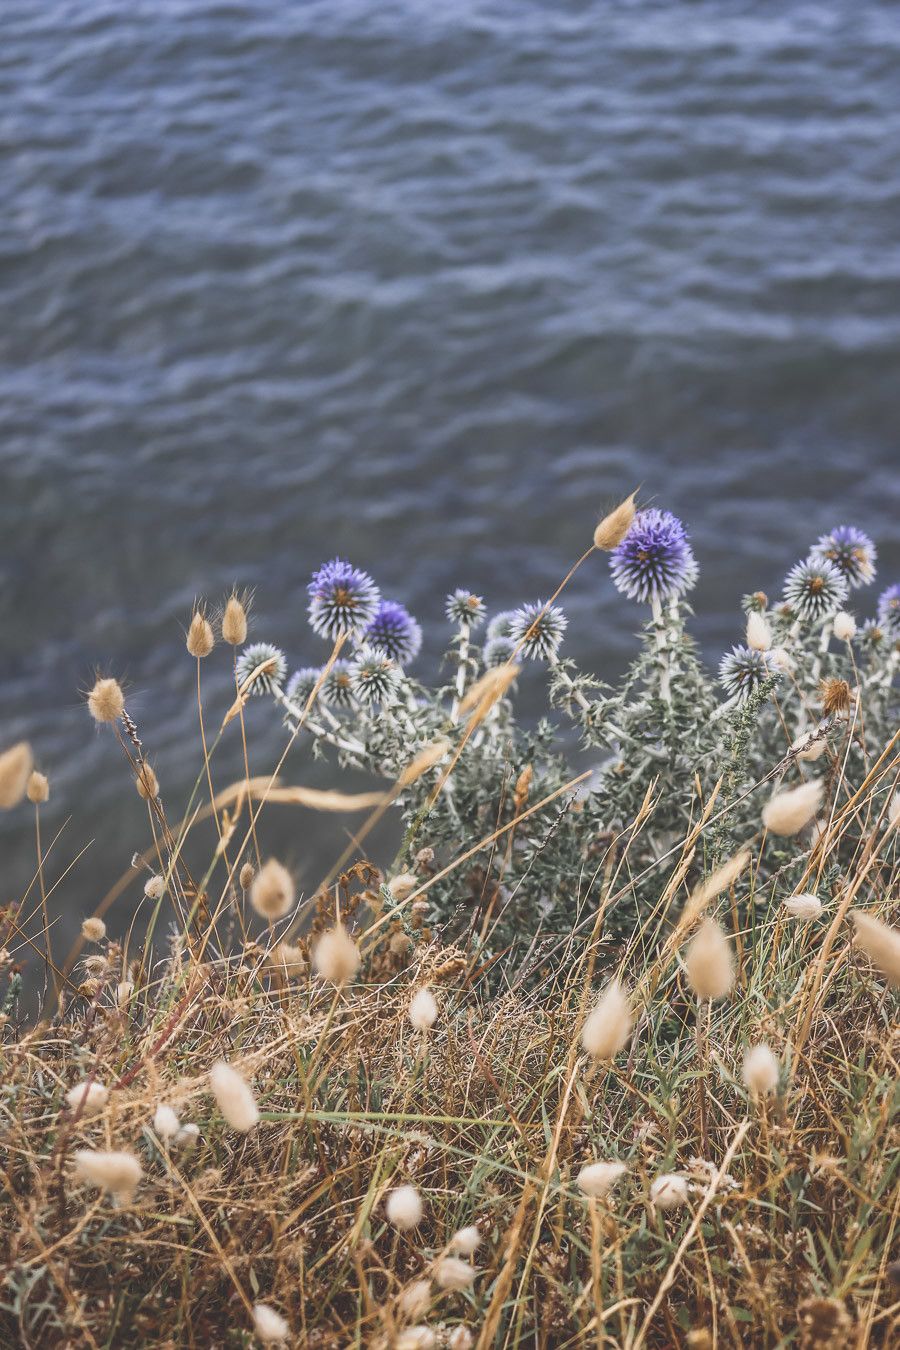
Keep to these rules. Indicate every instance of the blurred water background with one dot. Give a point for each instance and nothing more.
(427, 286)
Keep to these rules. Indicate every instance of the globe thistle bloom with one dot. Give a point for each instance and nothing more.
(537, 630)
(654, 561)
(336, 687)
(889, 611)
(301, 684)
(498, 651)
(851, 551)
(744, 670)
(872, 634)
(373, 677)
(272, 677)
(394, 632)
(815, 589)
(342, 599)
(465, 608)
(501, 624)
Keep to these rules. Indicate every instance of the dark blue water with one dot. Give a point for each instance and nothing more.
(425, 285)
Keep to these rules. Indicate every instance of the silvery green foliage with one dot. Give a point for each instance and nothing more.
(662, 742)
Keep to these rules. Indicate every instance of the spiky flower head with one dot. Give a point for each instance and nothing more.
(537, 630)
(274, 667)
(851, 551)
(465, 608)
(498, 651)
(394, 632)
(373, 677)
(744, 670)
(342, 599)
(501, 624)
(889, 611)
(301, 684)
(814, 589)
(337, 686)
(872, 634)
(654, 561)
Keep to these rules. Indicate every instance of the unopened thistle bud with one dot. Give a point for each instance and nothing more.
(404, 1208)
(234, 622)
(200, 638)
(116, 1173)
(881, 944)
(760, 1071)
(803, 906)
(234, 1097)
(452, 1273)
(709, 962)
(608, 1026)
(759, 634)
(614, 527)
(93, 930)
(15, 770)
(147, 783)
(423, 1010)
(272, 891)
(844, 626)
(89, 1098)
(246, 875)
(597, 1179)
(336, 956)
(787, 812)
(269, 1325)
(106, 702)
(154, 887)
(465, 1241)
(669, 1191)
(165, 1122)
(38, 789)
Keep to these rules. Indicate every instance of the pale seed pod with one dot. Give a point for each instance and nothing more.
(118, 1173)
(415, 1300)
(106, 702)
(669, 1191)
(246, 875)
(803, 906)
(607, 1027)
(759, 634)
(154, 887)
(88, 1097)
(269, 1325)
(787, 812)
(460, 1338)
(452, 1273)
(234, 622)
(597, 1179)
(614, 527)
(147, 783)
(403, 885)
(165, 1122)
(416, 1338)
(200, 638)
(124, 990)
(15, 770)
(809, 747)
(465, 1241)
(881, 944)
(404, 1208)
(761, 1071)
(272, 891)
(336, 956)
(234, 1097)
(93, 930)
(38, 789)
(709, 962)
(423, 1010)
(844, 626)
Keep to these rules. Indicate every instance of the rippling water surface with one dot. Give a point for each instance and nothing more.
(424, 285)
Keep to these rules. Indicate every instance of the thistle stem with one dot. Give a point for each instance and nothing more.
(461, 669)
(660, 632)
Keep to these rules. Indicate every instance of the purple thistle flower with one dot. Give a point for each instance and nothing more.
(343, 599)
(654, 561)
(538, 634)
(889, 611)
(268, 679)
(465, 608)
(393, 631)
(815, 589)
(743, 670)
(851, 551)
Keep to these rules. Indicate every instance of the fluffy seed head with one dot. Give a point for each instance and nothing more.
(116, 1172)
(165, 1122)
(234, 622)
(759, 634)
(804, 906)
(272, 891)
(844, 626)
(147, 783)
(614, 527)
(721, 879)
(809, 746)
(106, 702)
(881, 944)
(93, 1095)
(93, 930)
(124, 990)
(669, 1191)
(709, 962)
(154, 887)
(187, 1136)
(404, 1208)
(268, 1324)
(415, 1299)
(761, 1070)
(787, 812)
(452, 1273)
(460, 1338)
(288, 959)
(234, 1096)
(466, 1240)
(246, 875)
(15, 770)
(38, 789)
(394, 632)
(336, 956)
(894, 809)
(200, 639)
(654, 562)
(403, 885)
(608, 1026)
(416, 1338)
(597, 1179)
(423, 1010)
